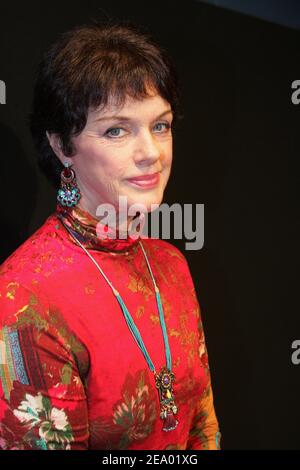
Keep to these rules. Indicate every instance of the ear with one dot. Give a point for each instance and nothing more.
(55, 144)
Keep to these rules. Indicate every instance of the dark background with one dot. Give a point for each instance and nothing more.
(236, 152)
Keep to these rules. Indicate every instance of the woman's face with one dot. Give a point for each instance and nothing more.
(119, 144)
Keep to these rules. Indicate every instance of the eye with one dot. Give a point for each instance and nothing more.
(113, 132)
(166, 124)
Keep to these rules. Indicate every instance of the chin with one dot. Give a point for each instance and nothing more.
(153, 197)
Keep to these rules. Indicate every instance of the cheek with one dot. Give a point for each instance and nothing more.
(107, 169)
(168, 159)
(113, 166)
(92, 160)
(168, 151)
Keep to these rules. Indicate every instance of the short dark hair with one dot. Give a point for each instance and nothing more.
(83, 69)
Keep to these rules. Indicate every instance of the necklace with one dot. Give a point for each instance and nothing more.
(165, 378)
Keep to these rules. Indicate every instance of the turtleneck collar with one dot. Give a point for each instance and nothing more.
(84, 227)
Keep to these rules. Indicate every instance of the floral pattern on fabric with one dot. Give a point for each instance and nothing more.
(34, 423)
(52, 423)
(133, 415)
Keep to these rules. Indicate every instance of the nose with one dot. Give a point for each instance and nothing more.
(147, 148)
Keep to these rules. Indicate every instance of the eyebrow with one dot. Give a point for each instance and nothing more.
(127, 118)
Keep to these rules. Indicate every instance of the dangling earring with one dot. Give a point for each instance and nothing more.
(69, 193)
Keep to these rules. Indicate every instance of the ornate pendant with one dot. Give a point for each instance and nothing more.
(164, 383)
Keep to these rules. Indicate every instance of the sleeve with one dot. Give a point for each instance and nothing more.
(43, 404)
(204, 433)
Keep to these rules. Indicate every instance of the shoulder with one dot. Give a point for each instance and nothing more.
(20, 303)
(168, 255)
(23, 276)
(163, 247)
(171, 268)
(29, 259)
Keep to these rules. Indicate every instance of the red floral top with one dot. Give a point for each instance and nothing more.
(71, 374)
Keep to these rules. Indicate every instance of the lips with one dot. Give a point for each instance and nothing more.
(144, 177)
(146, 181)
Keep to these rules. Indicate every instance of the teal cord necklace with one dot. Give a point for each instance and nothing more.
(165, 378)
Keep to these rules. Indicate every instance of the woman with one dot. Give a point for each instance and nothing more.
(102, 344)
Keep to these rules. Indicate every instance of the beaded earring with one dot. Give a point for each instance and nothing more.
(68, 193)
